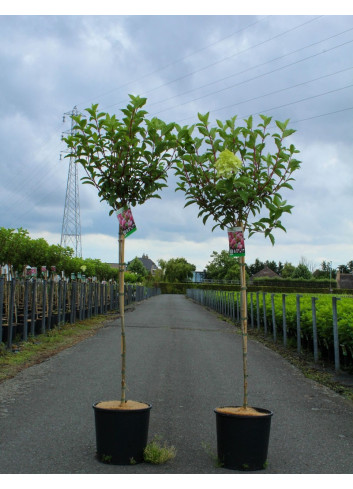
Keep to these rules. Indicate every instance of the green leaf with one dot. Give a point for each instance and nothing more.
(276, 200)
(220, 123)
(249, 122)
(244, 196)
(280, 125)
(266, 120)
(190, 202)
(203, 118)
(288, 132)
(203, 130)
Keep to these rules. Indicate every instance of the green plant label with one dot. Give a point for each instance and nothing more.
(126, 221)
(236, 242)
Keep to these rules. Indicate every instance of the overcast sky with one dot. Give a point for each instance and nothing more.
(289, 66)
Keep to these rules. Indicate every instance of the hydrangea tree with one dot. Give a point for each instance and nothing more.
(235, 174)
(126, 161)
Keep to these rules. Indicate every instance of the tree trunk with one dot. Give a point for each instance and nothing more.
(122, 312)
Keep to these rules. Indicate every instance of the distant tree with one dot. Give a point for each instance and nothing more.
(59, 257)
(323, 271)
(74, 266)
(136, 266)
(13, 248)
(325, 266)
(178, 270)
(255, 267)
(288, 270)
(36, 253)
(310, 265)
(222, 267)
(17, 250)
(301, 271)
(320, 274)
(343, 268)
(131, 277)
(162, 266)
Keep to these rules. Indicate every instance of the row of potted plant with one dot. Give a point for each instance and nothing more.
(225, 171)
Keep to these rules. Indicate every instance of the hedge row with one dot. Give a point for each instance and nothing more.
(180, 288)
(294, 282)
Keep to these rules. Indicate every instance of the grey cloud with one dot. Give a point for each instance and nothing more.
(225, 64)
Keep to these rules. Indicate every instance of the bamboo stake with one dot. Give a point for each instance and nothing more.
(122, 313)
(244, 327)
(244, 323)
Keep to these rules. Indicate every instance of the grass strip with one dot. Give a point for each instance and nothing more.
(39, 348)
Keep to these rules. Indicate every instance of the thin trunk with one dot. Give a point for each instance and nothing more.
(122, 313)
(244, 328)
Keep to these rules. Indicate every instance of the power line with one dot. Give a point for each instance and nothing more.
(287, 88)
(303, 99)
(182, 58)
(31, 184)
(322, 115)
(255, 78)
(249, 69)
(225, 58)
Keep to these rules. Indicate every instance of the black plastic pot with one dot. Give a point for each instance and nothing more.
(242, 440)
(121, 435)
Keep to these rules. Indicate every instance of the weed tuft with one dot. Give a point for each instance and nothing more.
(106, 458)
(156, 453)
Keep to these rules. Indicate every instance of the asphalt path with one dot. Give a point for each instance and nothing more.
(185, 361)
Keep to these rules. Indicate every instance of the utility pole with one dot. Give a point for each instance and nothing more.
(71, 225)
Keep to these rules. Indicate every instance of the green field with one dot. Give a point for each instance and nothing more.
(324, 320)
(227, 303)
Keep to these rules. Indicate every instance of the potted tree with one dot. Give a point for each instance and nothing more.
(127, 161)
(225, 171)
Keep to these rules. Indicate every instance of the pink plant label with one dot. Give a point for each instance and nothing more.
(126, 221)
(236, 242)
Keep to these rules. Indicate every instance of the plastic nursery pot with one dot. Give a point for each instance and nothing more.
(121, 434)
(242, 440)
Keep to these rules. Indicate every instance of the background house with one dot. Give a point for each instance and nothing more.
(265, 272)
(344, 280)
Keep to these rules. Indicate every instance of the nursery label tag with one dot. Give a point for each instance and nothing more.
(126, 221)
(236, 242)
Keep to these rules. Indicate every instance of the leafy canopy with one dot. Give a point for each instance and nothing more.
(249, 184)
(136, 266)
(177, 270)
(126, 160)
(222, 266)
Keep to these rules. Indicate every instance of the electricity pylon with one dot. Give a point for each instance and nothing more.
(71, 226)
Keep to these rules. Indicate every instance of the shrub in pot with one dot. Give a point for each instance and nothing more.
(127, 161)
(225, 171)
